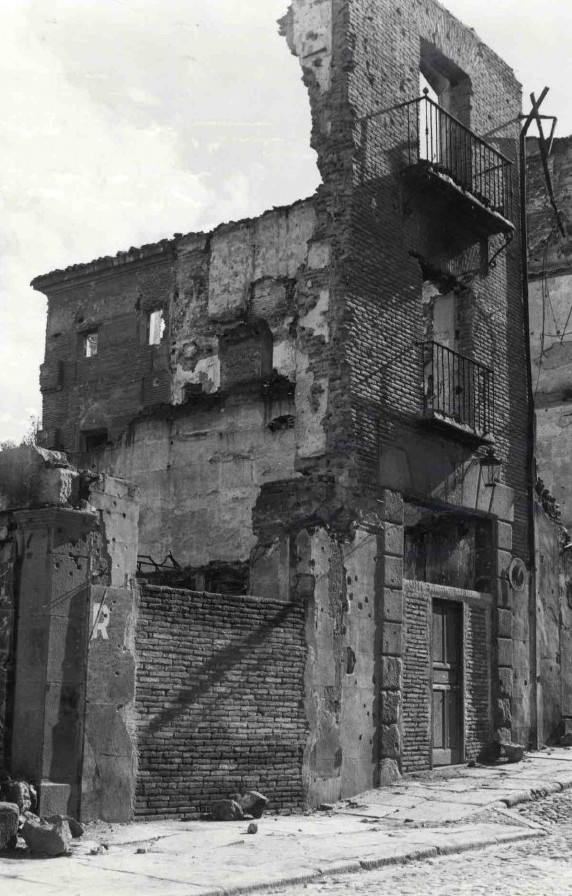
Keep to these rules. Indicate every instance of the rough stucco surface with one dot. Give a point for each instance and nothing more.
(72, 568)
(554, 617)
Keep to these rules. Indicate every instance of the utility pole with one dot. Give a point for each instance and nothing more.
(545, 145)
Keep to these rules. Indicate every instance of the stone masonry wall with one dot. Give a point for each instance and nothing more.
(220, 689)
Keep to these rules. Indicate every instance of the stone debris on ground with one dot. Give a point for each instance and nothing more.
(76, 828)
(48, 838)
(513, 752)
(252, 803)
(499, 751)
(252, 828)
(226, 810)
(20, 792)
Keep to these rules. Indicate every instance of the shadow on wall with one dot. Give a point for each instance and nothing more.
(217, 667)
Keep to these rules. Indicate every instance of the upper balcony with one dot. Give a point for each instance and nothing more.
(458, 165)
(458, 393)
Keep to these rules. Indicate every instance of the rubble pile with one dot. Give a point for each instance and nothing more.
(248, 805)
(51, 836)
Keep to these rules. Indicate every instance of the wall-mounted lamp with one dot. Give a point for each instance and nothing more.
(490, 465)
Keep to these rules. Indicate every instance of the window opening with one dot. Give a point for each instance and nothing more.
(90, 345)
(156, 327)
(94, 440)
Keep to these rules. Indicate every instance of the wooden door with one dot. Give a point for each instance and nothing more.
(447, 653)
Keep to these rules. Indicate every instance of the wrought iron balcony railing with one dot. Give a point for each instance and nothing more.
(457, 391)
(440, 143)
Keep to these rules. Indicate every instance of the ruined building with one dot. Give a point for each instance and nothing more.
(325, 414)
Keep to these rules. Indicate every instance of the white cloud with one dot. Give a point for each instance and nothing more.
(100, 150)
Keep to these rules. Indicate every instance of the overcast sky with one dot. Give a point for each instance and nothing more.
(125, 121)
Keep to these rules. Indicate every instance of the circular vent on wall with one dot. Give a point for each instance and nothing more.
(517, 574)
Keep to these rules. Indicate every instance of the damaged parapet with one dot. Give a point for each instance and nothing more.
(68, 546)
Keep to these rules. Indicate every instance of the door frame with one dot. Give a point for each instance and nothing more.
(461, 604)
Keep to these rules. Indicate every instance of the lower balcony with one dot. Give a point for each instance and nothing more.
(457, 393)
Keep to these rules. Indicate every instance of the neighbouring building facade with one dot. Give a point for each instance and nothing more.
(309, 403)
(550, 302)
(550, 287)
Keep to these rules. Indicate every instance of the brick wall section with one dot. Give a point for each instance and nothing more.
(219, 700)
(416, 685)
(384, 314)
(477, 680)
(126, 375)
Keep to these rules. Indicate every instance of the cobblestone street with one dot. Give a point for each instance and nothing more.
(533, 868)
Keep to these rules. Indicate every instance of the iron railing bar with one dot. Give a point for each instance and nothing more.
(420, 99)
(458, 387)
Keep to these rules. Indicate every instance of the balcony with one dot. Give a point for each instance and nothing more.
(457, 393)
(443, 153)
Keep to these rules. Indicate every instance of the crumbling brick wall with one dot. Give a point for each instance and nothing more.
(388, 237)
(220, 690)
(112, 297)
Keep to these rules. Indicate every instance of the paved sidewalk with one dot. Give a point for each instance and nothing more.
(422, 816)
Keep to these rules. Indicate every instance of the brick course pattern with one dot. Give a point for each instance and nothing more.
(219, 700)
(477, 680)
(416, 723)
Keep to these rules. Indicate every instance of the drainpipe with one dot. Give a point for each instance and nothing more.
(531, 441)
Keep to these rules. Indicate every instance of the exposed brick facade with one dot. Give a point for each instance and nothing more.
(104, 392)
(416, 723)
(477, 679)
(220, 690)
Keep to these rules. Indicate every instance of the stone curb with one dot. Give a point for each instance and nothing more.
(527, 796)
(416, 854)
